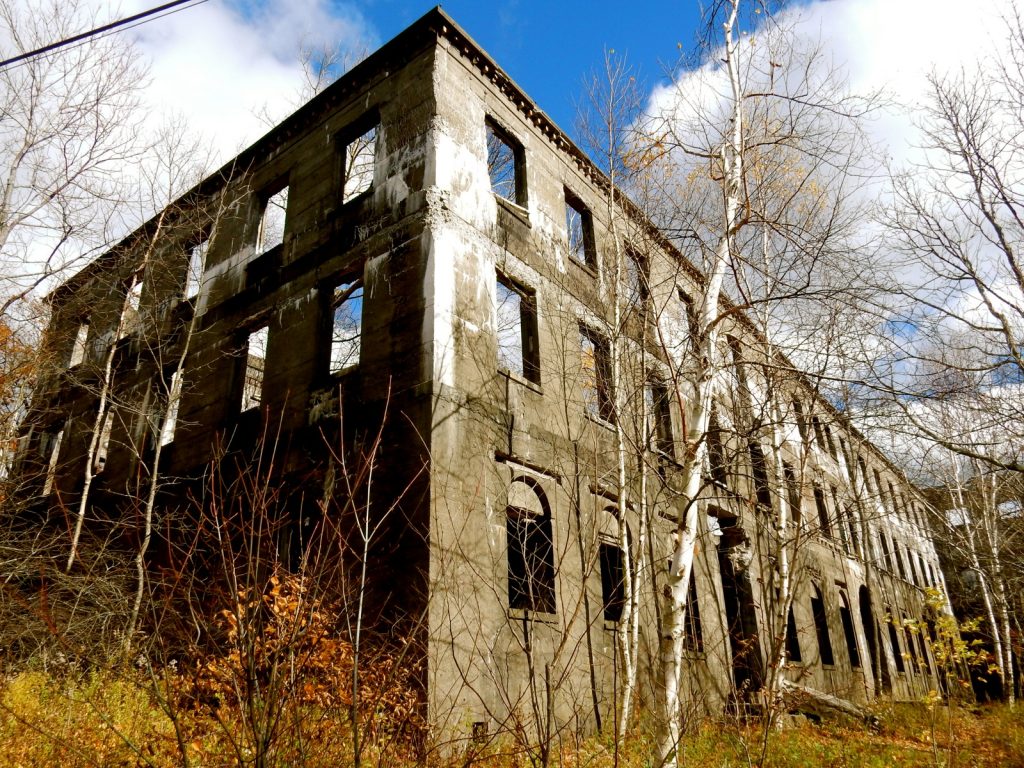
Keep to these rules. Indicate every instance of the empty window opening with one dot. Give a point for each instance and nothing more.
(659, 416)
(99, 459)
(516, 324)
(272, 220)
(170, 421)
(531, 553)
(740, 369)
(821, 627)
(899, 560)
(691, 321)
(613, 580)
(792, 640)
(636, 279)
(830, 443)
(822, 507)
(346, 325)
(693, 637)
(879, 488)
(792, 491)
(255, 358)
(846, 617)
(130, 317)
(908, 633)
(892, 498)
(865, 476)
(801, 420)
(894, 641)
(196, 268)
(598, 396)
(819, 433)
(851, 536)
(717, 464)
(78, 349)
(49, 448)
(505, 165)
(359, 156)
(922, 646)
(885, 550)
(759, 469)
(579, 225)
(842, 519)
(913, 562)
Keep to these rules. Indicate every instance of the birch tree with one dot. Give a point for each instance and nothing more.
(752, 152)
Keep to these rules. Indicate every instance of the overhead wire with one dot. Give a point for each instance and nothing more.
(129, 22)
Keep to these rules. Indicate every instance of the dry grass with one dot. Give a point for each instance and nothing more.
(106, 720)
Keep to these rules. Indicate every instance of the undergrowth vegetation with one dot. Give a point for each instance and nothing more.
(108, 719)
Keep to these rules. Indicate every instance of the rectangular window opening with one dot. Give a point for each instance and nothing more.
(272, 221)
(691, 321)
(49, 446)
(693, 639)
(505, 165)
(885, 550)
(759, 470)
(579, 225)
(346, 325)
(801, 420)
(613, 580)
(899, 560)
(717, 462)
(659, 415)
(516, 326)
(908, 633)
(255, 358)
(130, 314)
(173, 400)
(823, 517)
(894, 641)
(843, 519)
(99, 459)
(78, 349)
(598, 396)
(636, 276)
(793, 492)
(196, 268)
(359, 157)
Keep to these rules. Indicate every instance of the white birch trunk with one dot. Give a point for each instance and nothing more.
(681, 564)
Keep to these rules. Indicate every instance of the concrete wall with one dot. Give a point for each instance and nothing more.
(430, 240)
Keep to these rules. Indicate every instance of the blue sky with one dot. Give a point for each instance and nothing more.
(221, 64)
(548, 47)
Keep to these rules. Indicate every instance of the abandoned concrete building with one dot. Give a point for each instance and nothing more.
(419, 259)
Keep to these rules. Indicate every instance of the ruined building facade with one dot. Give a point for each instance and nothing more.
(420, 263)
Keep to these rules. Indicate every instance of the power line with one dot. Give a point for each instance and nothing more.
(99, 30)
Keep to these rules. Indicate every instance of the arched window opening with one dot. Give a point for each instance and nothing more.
(821, 627)
(531, 552)
(846, 617)
(792, 641)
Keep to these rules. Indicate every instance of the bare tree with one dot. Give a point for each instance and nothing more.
(957, 223)
(70, 123)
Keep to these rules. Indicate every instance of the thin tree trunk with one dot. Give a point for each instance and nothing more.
(681, 564)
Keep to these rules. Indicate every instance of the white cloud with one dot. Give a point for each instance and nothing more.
(894, 46)
(219, 63)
